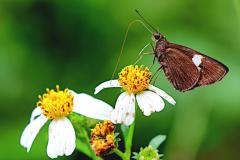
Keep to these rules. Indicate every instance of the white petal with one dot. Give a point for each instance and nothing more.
(143, 105)
(107, 84)
(61, 138)
(91, 107)
(124, 110)
(36, 112)
(31, 131)
(149, 102)
(162, 94)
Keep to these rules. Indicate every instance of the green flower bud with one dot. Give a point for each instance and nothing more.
(147, 153)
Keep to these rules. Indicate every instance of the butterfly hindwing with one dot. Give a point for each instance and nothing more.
(211, 72)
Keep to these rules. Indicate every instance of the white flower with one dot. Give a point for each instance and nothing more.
(56, 106)
(136, 83)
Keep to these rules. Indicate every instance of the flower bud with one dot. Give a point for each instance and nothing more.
(147, 153)
(102, 138)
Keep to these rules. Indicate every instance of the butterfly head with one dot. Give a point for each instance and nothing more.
(157, 36)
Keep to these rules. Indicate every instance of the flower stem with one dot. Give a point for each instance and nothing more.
(120, 154)
(128, 143)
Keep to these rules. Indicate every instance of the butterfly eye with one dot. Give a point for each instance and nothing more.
(156, 36)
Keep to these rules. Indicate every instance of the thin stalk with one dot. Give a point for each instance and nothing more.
(128, 143)
(120, 154)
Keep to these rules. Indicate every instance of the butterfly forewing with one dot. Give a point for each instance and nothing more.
(210, 69)
(179, 69)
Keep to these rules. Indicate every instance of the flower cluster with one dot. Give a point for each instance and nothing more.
(134, 79)
(58, 105)
(103, 137)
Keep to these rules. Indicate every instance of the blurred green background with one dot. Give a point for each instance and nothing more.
(76, 44)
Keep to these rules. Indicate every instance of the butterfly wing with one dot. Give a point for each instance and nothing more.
(211, 72)
(210, 69)
(179, 69)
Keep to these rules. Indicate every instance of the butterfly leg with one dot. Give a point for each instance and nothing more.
(152, 62)
(144, 48)
(141, 56)
(153, 58)
(152, 46)
(157, 73)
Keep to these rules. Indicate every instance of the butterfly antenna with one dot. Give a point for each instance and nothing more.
(121, 52)
(144, 25)
(145, 21)
(124, 41)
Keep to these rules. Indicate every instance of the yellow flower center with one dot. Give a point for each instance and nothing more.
(56, 104)
(103, 138)
(134, 79)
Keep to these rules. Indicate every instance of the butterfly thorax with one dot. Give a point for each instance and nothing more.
(160, 48)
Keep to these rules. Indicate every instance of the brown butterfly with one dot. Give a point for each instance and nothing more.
(184, 67)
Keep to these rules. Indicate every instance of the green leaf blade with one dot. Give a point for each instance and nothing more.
(157, 141)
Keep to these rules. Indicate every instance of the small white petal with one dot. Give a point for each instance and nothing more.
(70, 140)
(143, 105)
(107, 84)
(61, 138)
(36, 112)
(91, 107)
(54, 137)
(162, 94)
(149, 102)
(31, 131)
(124, 110)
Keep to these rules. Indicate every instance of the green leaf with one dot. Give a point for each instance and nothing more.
(82, 127)
(82, 121)
(161, 155)
(83, 144)
(83, 147)
(157, 141)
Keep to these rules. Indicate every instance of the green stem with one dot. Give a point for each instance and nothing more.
(120, 154)
(128, 143)
(129, 140)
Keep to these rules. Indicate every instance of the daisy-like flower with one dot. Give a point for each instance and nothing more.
(56, 106)
(135, 81)
(103, 138)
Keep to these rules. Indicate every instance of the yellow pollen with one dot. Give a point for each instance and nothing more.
(103, 138)
(134, 79)
(56, 104)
